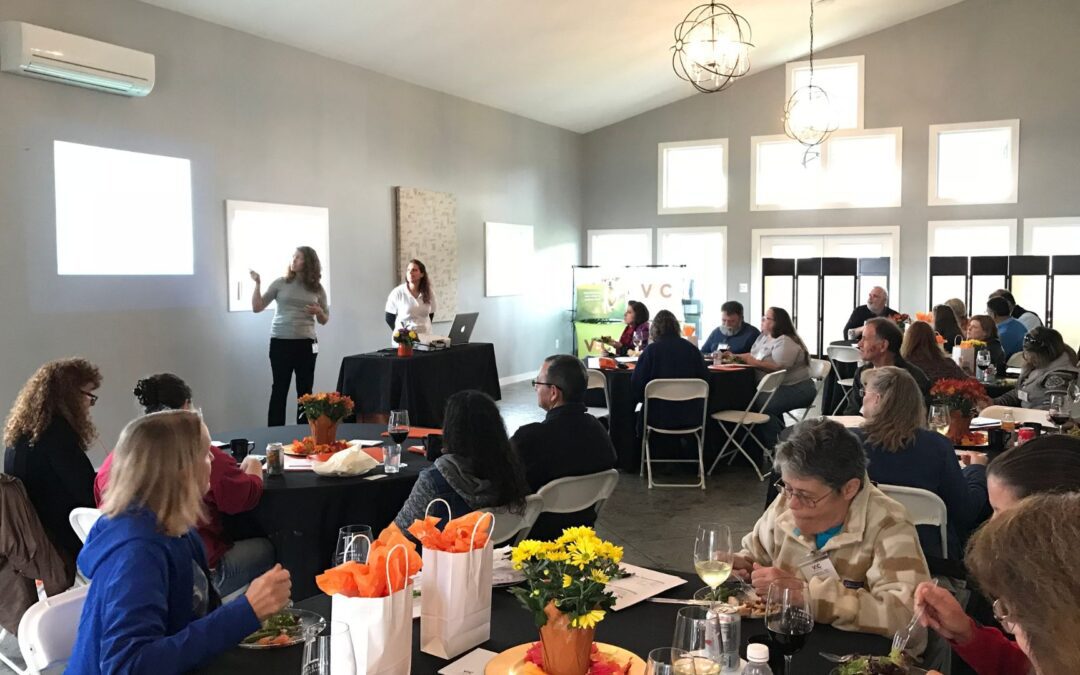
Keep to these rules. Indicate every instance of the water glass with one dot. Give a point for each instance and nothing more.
(392, 458)
(330, 652)
(662, 661)
(939, 418)
(698, 632)
(353, 544)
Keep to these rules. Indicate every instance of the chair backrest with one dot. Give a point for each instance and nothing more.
(924, 508)
(819, 369)
(575, 493)
(1020, 415)
(676, 389)
(1015, 361)
(82, 519)
(597, 380)
(47, 630)
(843, 354)
(512, 527)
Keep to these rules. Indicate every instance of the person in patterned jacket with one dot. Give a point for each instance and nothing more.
(853, 545)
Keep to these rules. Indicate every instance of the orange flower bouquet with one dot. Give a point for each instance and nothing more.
(928, 317)
(332, 405)
(961, 397)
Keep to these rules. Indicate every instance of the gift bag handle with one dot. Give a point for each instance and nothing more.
(449, 513)
(389, 584)
(352, 542)
(491, 530)
(473, 552)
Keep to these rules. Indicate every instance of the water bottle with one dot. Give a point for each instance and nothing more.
(758, 657)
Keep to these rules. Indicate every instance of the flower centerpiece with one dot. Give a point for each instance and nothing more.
(928, 317)
(566, 591)
(405, 337)
(901, 320)
(324, 411)
(961, 397)
(973, 344)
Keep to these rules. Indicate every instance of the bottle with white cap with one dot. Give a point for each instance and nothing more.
(758, 656)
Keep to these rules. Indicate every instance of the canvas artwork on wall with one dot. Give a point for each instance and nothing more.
(427, 231)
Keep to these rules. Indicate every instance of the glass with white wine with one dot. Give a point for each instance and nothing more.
(712, 554)
(939, 418)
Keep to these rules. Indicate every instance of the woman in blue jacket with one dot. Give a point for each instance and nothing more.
(151, 606)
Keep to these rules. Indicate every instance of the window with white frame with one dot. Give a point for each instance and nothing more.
(620, 247)
(1052, 236)
(971, 237)
(840, 78)
(856, 169)
(704, 252)
(693, 177)
(974, 163)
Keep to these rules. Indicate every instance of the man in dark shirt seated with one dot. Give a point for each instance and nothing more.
(738, 335)
(877, 305)
(569, 442)
(880, 346)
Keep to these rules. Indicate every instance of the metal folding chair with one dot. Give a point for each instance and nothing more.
(819, 372)
(745, 420)
(675, 389)
(842, 354)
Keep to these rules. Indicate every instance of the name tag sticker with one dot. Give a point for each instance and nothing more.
(1023, 395)
(818, 565)
(314, 347)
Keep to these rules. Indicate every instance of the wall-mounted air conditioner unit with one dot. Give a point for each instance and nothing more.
(26, 49)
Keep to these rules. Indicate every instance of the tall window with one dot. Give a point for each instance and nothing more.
(971, 237)
(842, 80)
(974, 163)
(1052, 236)
(693, 176)
(620, 247)
(704, 252)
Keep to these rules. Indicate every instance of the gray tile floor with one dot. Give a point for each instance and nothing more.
(655, 527)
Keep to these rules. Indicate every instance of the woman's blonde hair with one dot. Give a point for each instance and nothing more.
(57, 388)
(901, 411)
(160, 464)
(1025, 557)
(959, 309)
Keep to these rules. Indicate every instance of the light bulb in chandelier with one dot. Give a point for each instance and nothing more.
(712, 47)
(809, 117)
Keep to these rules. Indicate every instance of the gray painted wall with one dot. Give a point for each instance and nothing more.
(263, 122)
(977, 60)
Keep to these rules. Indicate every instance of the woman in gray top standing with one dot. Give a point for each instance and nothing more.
(301, 301)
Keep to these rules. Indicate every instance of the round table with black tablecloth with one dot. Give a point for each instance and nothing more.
(728, 390)
(639, 628)
(301, 511)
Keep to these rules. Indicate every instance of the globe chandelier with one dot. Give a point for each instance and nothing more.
(809, 117)
(712, 47)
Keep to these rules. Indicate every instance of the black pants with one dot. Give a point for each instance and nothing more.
(286, 357)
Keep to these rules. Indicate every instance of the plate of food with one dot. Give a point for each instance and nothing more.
(307, 447)
(738, 594)
(287, 627)
(526, 659)
(863, 664)
(973, 439)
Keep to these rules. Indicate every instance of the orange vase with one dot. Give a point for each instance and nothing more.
(959, 426)
(566, 650)
(323, 430)
(404, 349)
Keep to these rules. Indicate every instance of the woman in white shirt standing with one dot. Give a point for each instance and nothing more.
(413, 302)
(779, 347)
(301, 301)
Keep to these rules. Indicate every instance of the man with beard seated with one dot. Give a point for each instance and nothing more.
(732, 331)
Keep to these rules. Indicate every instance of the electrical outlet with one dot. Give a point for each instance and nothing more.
(744, 288)
(556, 343)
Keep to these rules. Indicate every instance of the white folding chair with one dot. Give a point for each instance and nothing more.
(577, 493)
(512, 527)
(745, 420)
(924, 508)
(597, 380)
(675, 389)
(1020, 415)
(1015, 361)
(8, 662)
(47, 630)
(842, 354)
(82, 519)
(819, 371)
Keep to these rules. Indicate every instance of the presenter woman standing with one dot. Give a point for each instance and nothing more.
(412, 302)
(301, 301)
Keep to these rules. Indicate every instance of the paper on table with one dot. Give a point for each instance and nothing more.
(364, 444)
(641, 584)
(375, 476)
(297, 463)
(472, 663)
(985, 422)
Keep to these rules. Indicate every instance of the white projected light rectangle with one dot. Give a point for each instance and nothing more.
(508, 259)
(121, 213)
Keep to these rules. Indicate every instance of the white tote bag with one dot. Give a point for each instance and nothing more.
(380, 628)
(965, 358)
(455, 603)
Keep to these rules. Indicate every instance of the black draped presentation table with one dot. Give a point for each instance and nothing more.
(639, 628)
(301, 511)
(728, 390)
(382, 381)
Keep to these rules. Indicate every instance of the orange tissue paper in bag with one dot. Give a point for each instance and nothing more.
(369, 580)
(456, 536)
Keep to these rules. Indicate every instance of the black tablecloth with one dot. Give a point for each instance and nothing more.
(728, 390)
(301, 512)
(639, 629)
(382, 381)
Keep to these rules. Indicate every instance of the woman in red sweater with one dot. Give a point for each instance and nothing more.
(232, 490)
(1011, 477)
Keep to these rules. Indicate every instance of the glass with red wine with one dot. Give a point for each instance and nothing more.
(398, 429)
(788, 617)
(1059, 410)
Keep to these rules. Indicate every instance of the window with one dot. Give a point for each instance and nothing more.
(856, 169)
(617, 248)
(974, 163)
(693, 177)
(971, 237)
(704, 252)
(121, 213)
(842, 80)
(1052, 236)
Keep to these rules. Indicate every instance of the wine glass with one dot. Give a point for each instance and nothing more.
(331, 651)
(398, 428)
(353, 544)
(1059, 409)
(939, 418)
(712, 554)
(637, 342)
(788, 617)
(982, 362)
(669, 661)
(697, 632)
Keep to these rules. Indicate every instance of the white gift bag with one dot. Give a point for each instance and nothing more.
(455, 603)
(964, 357)
(381, 628)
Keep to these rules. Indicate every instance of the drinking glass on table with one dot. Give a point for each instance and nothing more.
(332, 651)
(398, 428)
(353, 544)
(712, 554)
(1059, 409)
(982, 362)
(637, 342)
(663, 661)
(788, 617)
(938, 419)
(698, 632)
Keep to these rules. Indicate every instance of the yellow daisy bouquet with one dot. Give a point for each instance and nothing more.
(571, 572)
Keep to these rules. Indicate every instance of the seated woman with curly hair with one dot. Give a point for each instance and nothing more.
(47, 434)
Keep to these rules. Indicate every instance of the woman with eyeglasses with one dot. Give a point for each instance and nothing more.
(1049, 367)
(1012, 477)
(47, 435)
(856, 548)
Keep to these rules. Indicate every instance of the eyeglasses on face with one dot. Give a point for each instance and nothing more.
(536, 383)
(93, 398)
(803, 498)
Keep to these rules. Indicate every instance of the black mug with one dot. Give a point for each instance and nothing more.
(433, 446)
(239, 448)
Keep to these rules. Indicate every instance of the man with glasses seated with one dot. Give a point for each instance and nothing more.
(832, 528)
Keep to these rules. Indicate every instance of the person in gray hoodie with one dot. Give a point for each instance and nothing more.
(1049, 368)
(477, 470)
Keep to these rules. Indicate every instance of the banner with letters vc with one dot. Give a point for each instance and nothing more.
(601, 294)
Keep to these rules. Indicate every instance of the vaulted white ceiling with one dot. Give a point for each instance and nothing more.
(575, 64)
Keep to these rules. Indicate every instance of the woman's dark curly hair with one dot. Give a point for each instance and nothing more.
(56, 389)
(474, 429)
(163, 391)
(311, 275)
(641, 312)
